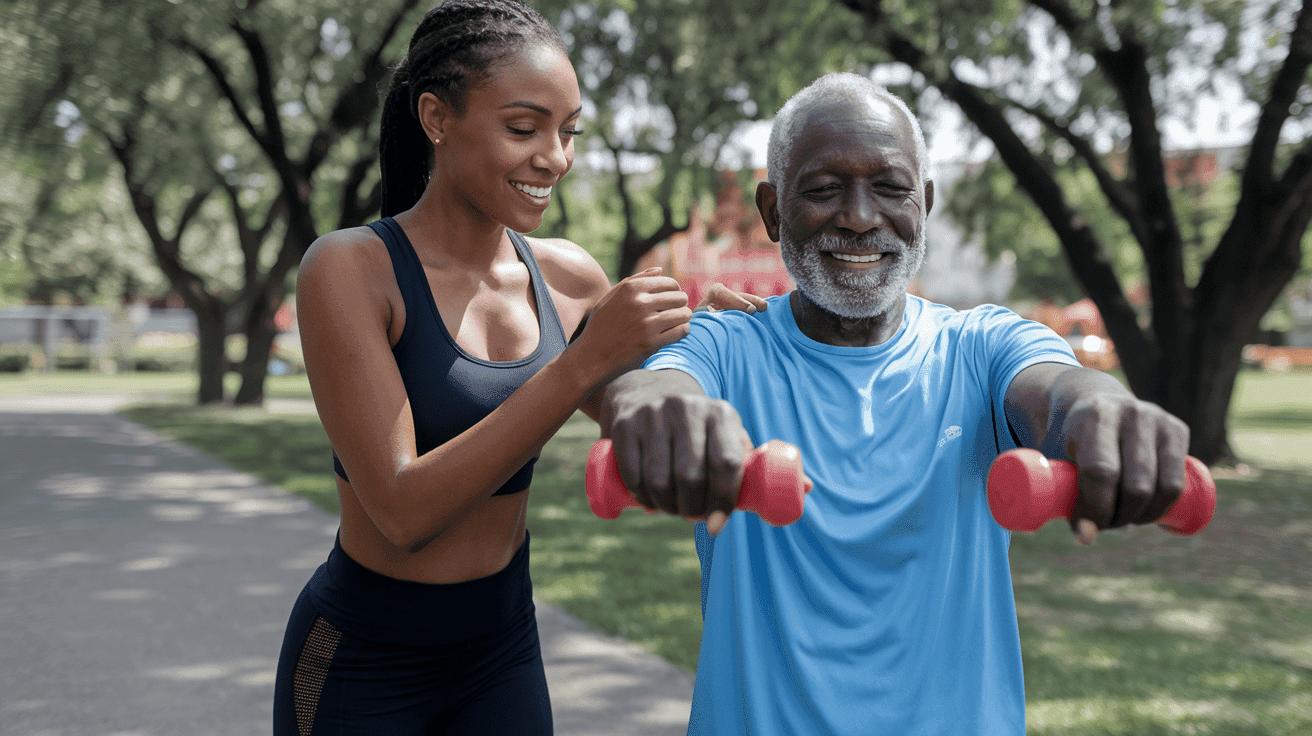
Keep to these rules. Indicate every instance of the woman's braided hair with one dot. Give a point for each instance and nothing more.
(455, 48)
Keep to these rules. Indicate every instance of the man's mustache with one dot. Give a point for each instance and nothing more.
(873, 241)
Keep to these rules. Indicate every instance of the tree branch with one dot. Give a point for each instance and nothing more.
(1261, 199)
(1118, 195)
(190, 211)
(220, 77)
(358, 100)
(275, 143)
(1300, 167)
(621, 186)
(1084, 30)
(1260, 171)
(1295, 204)
(167, 250)
(354, 208)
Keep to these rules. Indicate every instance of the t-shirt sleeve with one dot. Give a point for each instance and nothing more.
(1013, 344)
(698, 354)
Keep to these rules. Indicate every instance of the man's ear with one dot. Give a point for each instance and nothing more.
(433, 116)
(929, 196)
(767, 203)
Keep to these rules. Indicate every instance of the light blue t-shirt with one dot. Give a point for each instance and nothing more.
(888, 608)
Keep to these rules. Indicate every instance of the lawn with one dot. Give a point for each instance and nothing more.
(176, 387)
(1143, 633)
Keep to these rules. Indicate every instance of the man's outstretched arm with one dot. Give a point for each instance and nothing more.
(1130, 453)
(677, 450)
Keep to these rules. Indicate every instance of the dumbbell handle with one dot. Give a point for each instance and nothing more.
(773, 485)
(1026, 490)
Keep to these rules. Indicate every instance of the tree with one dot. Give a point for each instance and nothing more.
(297, 96)
(1053, 78)
(298, 148)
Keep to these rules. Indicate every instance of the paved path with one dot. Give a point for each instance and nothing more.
(144, 588)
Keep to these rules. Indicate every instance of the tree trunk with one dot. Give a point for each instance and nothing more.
(260, 333)
(1213, 383)
(212, 331)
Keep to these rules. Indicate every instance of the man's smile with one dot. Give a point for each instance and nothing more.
(854, 258)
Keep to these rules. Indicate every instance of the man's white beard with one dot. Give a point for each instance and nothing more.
(852, 295)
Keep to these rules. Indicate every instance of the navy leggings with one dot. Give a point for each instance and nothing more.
(368, 654)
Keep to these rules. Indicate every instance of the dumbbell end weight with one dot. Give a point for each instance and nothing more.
(773, 486)
(1027, 490)
(604, 472)
(1193, 512)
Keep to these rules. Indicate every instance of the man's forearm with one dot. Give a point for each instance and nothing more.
(642, 385)
(1071, 386)
(1041, 397)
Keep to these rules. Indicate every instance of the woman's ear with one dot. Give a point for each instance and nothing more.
(433, 116)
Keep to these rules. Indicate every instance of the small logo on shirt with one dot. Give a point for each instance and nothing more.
(951, 433)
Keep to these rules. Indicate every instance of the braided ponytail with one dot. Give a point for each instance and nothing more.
(400, 141)
(455, 48)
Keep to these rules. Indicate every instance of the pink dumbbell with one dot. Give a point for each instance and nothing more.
(1027, 490)
(773, 485)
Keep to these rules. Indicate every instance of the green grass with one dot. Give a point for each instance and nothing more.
(1271, 419)
(1143, 633)
(180, 387)
(635, 577)
(1147, 633)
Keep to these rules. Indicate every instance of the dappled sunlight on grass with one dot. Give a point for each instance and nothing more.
(1140, 716)
(1271, 419)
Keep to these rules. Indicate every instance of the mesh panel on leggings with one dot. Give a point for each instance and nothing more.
(312, 671)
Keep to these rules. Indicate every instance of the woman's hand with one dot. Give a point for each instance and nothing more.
(721, 297)
(634, 319)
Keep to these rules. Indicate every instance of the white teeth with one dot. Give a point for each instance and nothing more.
(538, 192)
(857, 259)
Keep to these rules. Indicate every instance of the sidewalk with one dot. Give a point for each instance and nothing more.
(146, 587)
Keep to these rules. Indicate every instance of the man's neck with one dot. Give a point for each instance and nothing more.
(830, 329)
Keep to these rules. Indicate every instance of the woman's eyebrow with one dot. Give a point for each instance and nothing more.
(535, 107)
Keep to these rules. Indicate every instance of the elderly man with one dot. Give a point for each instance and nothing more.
(888, 608)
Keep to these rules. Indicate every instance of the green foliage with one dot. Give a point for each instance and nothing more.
(15, 358)
(64, 234)
(986, 203)
(14, 280)
(91, 72)
(669, 82)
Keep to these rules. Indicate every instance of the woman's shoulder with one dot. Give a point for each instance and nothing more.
(568, 268)
(354, 251)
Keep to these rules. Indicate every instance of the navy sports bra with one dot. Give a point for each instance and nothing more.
(449, 389)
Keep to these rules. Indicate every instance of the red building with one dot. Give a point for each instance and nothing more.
(731, 247)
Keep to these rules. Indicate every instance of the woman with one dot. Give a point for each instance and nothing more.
(435, 344)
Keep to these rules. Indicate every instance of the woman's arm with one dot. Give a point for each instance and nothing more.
(358, 391)
(578, 283)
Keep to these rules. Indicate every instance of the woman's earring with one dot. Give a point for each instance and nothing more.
(437, 140)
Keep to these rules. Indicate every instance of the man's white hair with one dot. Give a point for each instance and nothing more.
(838, 85)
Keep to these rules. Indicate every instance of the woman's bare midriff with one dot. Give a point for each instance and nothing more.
(480, 544)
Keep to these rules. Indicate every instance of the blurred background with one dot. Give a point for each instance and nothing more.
(1137, 174)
